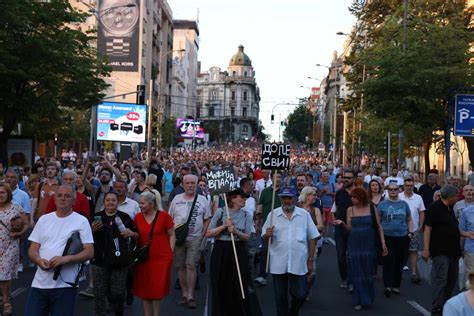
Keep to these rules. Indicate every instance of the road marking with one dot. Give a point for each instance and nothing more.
(18, 291)
(14, 293)
(331, 241)
(419, 308)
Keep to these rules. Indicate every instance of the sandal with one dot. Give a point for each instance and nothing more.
(183, 301)
(7, 309)
(192, 304)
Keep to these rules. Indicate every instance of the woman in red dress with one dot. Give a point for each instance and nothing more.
(153, 277)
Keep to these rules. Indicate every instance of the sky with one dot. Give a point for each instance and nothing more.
(284, 39)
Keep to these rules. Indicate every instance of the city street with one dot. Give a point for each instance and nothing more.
(327, 299)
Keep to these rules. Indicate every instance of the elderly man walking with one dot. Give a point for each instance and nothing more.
(187, 255)
(442, 244)
(291, 252)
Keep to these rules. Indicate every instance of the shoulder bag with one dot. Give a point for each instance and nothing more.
(181, 231)
(142, 254)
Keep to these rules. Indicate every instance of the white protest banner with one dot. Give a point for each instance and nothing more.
(276, 156)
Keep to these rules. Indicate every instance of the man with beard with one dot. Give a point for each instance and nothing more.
(342, 202)
(290, 268)
(300, 183)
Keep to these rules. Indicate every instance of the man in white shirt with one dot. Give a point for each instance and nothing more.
(292, 249)
(263, 183)
(468, 192)
(187, 255)
(393, 178)
(417, 209)
(369, 176)
(125, 204)
(48, 240)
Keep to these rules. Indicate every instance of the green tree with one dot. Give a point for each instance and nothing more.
(408, 75)
(299, 125)
(47, 66)
(168, 132)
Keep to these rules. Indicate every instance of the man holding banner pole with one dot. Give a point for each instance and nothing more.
(274, 157)
(295, 232)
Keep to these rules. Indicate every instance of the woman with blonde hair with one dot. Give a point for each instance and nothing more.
(150, 183)
(306, 201)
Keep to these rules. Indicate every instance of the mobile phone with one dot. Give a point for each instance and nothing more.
(93, 158)
(97, 218)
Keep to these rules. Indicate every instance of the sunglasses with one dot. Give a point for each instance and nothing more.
(348, 177)
(393, 189)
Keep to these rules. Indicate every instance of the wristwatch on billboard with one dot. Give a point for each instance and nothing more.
(119, 18)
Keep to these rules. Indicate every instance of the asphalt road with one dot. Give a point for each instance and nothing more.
(327, 298)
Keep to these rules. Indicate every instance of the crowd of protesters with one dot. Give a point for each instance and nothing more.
(281, 217)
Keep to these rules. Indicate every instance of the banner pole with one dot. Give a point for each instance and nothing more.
(235, 250)
(271, 219)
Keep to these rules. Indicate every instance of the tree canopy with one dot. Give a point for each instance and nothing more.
(47, 65)
(406, 76)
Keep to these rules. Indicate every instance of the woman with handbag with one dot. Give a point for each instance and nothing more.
(13, 224)
(114, 239)
(225, 287)
(152, 277)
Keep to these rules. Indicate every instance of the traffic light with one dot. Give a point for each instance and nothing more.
(272, 118)
(55, 139)
(140, 94)
(385, 142)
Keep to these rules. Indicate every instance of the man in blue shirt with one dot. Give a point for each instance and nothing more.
(20, 197)
(466, 228)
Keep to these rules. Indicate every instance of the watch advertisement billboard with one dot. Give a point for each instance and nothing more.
(121, 122)
(188, 128)
(118, 33)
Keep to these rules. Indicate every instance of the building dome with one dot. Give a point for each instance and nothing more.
(240, 58)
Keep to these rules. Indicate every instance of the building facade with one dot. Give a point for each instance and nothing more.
(137, 39)
(184, 69)
(228, 102)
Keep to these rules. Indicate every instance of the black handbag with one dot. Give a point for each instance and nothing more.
(181, 231)
(142, 254)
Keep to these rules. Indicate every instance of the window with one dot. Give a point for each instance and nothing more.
(245, 95)
(232, 111)
(244, 112)
(245, 129)
(245, 74)
(211, 111)
(234, 73)
(214, 95)
(232, 96)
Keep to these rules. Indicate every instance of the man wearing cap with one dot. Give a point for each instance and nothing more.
(292, 249)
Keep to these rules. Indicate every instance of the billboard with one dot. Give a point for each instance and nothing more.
(189, 128)
(20, 151)
(121, 122)
(118, 33)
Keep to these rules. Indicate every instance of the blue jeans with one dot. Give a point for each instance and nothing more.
(298, 291)
(58, 302)
(262, 259)
(340, 236)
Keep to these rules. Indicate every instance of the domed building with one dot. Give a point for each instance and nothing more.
(228, 102)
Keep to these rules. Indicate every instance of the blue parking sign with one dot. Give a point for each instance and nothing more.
(464, 115)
